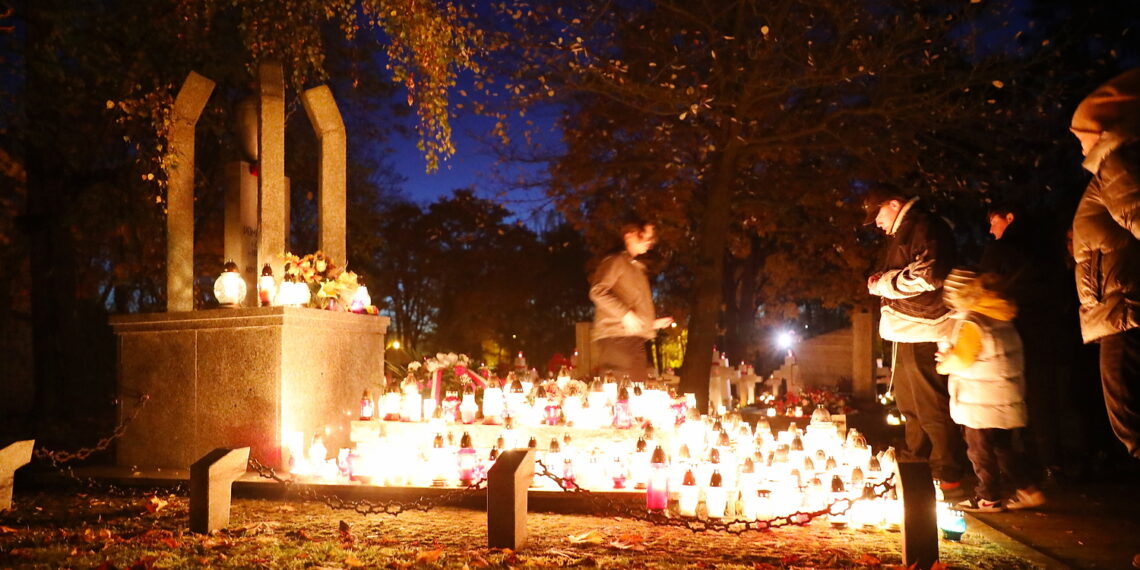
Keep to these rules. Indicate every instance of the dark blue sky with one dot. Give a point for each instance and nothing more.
(474, 163)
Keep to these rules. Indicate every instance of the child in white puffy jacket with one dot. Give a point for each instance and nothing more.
(985, 363)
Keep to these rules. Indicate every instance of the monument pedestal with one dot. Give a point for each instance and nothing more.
(247, 377)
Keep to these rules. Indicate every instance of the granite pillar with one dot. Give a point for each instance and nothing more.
(272, 217)
(211, 481)
(332, 205)
(585, 347)
(243, 377)
(12, 458)
(920, 518)
(507, 483)
(188, 107)
(241, 225)
(862, 356)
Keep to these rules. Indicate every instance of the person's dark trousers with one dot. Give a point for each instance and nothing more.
(623, 355)
(1045, 380)
(995, 461)
(922, 397)
(1120, 378)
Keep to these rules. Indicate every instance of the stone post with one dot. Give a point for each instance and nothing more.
(211, 479)
(507, 484)
(582, 333)
(862, 361)
(332, 208)
(12, 458)
(920, 519)
(272, 189)
(241, 225)
(188, 107)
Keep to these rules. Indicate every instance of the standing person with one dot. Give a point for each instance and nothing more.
(1106, 245)
(1031, 263)
(985, 364)
(916, 259)
(624, 318)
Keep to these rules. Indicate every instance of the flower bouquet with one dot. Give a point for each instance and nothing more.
(329, 286)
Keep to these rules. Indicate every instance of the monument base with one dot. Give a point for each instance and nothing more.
(248, 377)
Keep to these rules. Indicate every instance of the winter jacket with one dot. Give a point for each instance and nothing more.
(918, 255)
(620, 285)
(986, 366)
(1106, 239)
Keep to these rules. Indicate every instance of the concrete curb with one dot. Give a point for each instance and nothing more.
(1025, 551)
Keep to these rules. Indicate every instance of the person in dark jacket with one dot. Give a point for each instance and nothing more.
(918, 255)
(1106, 245)
(624, 318)
(1031, 265)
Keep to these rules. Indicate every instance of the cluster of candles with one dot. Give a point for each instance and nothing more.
(721, 468)
(559, 401)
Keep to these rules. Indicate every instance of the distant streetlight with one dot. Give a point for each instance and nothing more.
(785, 340)
(396, 344)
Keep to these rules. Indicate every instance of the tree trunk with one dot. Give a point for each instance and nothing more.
(51, 266)
(709, 278)
(740, 310)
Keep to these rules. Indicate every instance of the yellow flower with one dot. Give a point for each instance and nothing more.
(328, 289)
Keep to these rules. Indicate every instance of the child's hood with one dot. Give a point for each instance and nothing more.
(994, 306)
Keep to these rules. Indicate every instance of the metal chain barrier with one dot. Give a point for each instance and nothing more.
(603, 506)
(391, 507)
(609, 507)
(60, 457)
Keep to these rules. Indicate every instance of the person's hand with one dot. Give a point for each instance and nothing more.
(662, 322)
(632, 324)
(872, 280)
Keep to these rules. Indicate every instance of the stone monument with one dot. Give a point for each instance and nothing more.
(254, 376)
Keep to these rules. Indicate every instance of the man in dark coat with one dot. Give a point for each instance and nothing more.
(1106, 245)
(918, 255)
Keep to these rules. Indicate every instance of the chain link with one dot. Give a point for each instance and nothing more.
(609, 507)
(57, 458)
(604, 506)
(392, 507)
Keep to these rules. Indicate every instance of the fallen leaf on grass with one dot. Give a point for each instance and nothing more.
(630, 538)
(145, 563)
(868, 560)
(563, 553)
(939, 565)
(304, 535)
(7, 530)
(353, 562)
(590, 537)
(216, 543)
(154, 504)
(622, 545)
(428, 556)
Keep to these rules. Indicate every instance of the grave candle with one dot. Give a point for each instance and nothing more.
(716, 498)
(687, 500)
(657, 489)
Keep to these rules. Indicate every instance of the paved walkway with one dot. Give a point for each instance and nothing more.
(1088, 525)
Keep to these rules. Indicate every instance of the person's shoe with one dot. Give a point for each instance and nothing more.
(979, 505)
(952, 491)
(1029, 498)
